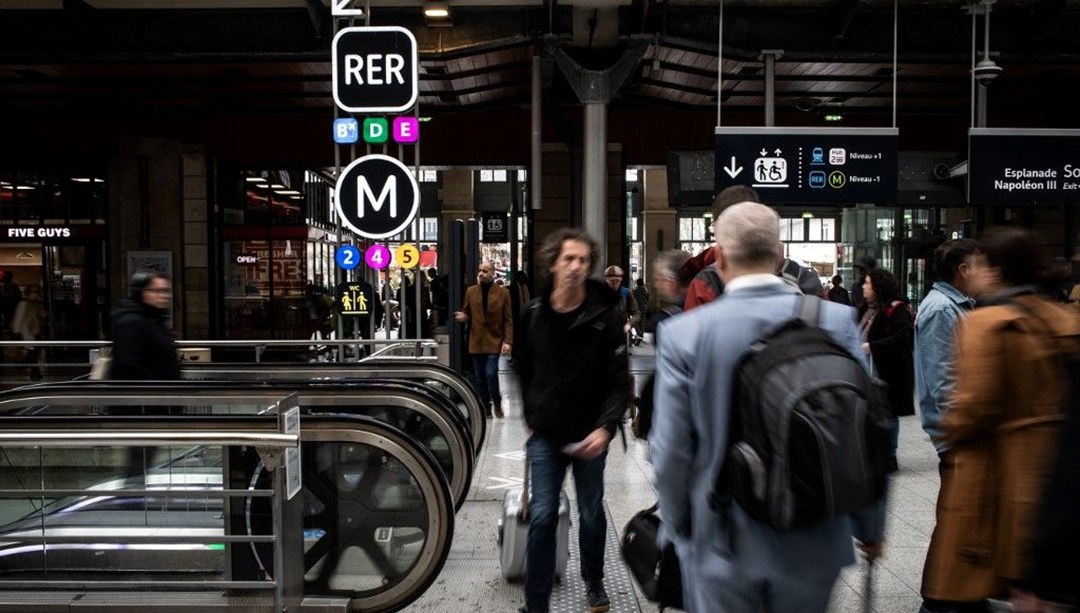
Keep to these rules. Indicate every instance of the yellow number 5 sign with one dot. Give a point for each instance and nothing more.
(407, 256)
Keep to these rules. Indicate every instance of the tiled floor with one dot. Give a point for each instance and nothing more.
(470, 580)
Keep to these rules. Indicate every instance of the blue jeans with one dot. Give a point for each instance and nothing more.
(547, 471)
(486, 369)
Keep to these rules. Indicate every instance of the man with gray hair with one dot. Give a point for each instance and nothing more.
(730, 561)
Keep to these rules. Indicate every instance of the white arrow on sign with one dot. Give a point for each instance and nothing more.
(764, 152)
(340, 8)
(505, 483)
(731, 170)
(778, 152)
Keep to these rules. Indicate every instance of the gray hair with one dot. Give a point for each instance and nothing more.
(749, 234)
(670, 262)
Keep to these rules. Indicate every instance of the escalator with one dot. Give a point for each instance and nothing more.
(435, 376)
(409, 406)
(374, 517)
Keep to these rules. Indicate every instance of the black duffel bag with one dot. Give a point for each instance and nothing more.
(656, 570)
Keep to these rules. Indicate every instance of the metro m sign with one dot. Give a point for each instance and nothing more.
(375, 70)
(377, 196)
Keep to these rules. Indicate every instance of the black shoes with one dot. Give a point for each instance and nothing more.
(496, 408)
(892, 465)
(596, 600)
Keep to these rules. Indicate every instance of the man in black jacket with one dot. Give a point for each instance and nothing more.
(142, 347)
(571, 357)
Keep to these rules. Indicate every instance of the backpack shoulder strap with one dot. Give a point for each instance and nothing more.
(808, 309)
(711, 277)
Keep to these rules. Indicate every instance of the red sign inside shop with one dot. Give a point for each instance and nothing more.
(284, 264)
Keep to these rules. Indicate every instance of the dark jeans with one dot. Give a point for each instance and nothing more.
(895, 440)
(486, 369)
(547, 466)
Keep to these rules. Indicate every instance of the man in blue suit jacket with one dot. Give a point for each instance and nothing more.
(739, 564)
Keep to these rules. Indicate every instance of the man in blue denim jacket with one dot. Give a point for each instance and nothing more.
(935, 332)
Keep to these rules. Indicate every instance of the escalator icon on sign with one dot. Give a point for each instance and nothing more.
(770, 172)
(837, 179)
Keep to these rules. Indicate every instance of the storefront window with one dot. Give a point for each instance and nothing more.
(278, 254)
(53, 197)
(694, 234)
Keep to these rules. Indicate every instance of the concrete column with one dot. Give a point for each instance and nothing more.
(146, 212)
(594, 205)
(769, 56)
(196, 275)
(457, 197)
(658, 217)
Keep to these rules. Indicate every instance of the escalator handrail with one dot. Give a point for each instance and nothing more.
(389, 369)
(143, 438)
(393, 393)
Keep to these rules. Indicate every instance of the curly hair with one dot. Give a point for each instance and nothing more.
(886, 285)
(552, 247)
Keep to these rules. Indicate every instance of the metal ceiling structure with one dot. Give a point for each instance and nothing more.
(198, 57)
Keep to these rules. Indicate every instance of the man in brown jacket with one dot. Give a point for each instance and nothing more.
(491, 332)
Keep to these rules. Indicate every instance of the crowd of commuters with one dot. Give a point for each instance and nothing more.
(990, 360)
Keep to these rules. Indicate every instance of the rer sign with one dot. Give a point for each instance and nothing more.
(375, 69)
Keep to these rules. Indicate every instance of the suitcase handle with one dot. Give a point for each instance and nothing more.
(524, 513)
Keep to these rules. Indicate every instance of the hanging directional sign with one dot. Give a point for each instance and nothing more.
(375, 70)
(377, 196)
(1023, 167)
(345, 8)
(837, 166)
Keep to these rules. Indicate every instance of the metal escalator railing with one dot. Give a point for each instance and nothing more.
(423, 414)
(377, 515)
(45, 434)
(436, 376)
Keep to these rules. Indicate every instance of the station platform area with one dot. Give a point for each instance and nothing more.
(471, 578)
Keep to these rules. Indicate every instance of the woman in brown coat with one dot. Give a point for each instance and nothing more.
(1002, 427)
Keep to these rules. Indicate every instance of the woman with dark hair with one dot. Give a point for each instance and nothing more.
(142, 346)
(1002, 427)
(888, 331)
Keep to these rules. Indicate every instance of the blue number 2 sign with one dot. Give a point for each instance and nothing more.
(348, 257)
(346, 131)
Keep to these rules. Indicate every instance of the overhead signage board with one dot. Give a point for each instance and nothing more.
(377, 196)
(496, 227)
(375, 70)
(830, 166)
(1014, 167)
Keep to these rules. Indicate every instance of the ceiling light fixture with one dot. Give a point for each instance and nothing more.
(436, 9)
(437, 14)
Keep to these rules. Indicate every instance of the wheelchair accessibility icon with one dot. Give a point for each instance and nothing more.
(770, 170)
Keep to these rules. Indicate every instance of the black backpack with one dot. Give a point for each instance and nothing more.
(809, 429)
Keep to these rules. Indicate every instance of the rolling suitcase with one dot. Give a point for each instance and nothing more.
(514, 532)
